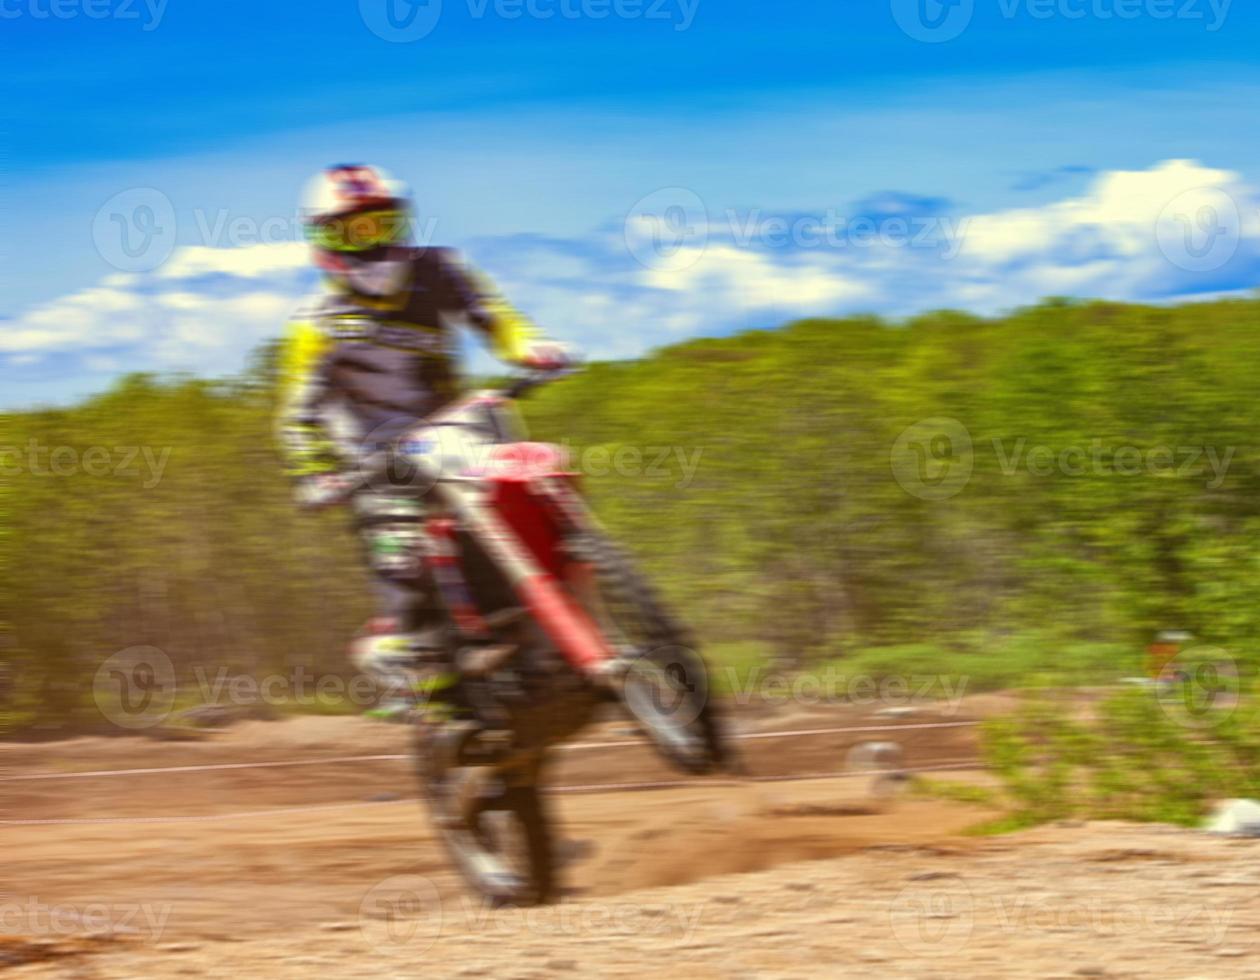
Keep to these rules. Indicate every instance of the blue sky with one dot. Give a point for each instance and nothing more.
(531, 138)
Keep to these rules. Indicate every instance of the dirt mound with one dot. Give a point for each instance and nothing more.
(750, 828)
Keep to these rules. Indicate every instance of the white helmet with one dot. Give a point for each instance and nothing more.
(358, 221)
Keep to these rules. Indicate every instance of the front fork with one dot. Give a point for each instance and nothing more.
(569, 627)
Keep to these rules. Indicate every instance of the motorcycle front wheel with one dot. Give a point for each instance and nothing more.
(660, 677)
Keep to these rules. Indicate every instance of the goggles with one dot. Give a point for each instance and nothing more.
(360, 232)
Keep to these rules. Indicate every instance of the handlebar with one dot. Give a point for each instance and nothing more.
(528, 380)
(382, 464)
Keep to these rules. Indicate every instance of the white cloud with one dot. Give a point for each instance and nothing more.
(755, 278)
(250, 262)
(201, 312)
(179, 301)
(1121, 208)
(91, 317)
(1129, 232)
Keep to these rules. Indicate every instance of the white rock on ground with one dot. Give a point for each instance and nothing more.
(1235, 817)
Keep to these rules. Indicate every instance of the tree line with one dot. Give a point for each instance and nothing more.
(1071, 473)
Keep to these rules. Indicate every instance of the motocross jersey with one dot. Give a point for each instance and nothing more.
(357, 368)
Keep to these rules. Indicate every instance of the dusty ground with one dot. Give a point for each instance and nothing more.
(713, 879)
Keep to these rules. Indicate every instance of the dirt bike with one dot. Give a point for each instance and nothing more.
(549, 619)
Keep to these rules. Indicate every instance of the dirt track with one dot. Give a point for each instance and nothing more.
(713, 879)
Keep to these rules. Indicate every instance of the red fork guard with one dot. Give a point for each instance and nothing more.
(520, 526)
(578, 639)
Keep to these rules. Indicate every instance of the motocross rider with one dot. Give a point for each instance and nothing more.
(363, 362)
